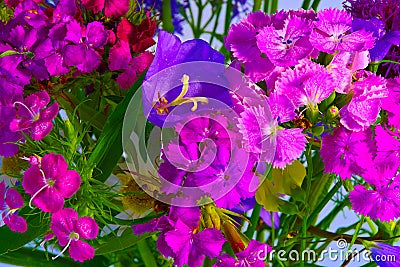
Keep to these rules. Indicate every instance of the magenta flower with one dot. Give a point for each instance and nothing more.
(363, 109)
(253, 256)
(346, 153)
(191, 246)
(70, 230)
(261, 132)
(387, 147)
(181, 238)
(344, 65)
(381, 202)
(82, 52)
(307, 84)
(33, 116)
(242, 42)
(120, 59)
(392, 103)
(50, 183)
(114, 8)
(285, 47)
(10, 202)
(331, 33)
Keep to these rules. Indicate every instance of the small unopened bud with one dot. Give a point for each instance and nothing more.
(332, 113)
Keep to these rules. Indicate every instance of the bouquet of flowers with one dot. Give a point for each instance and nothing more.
(122, 145)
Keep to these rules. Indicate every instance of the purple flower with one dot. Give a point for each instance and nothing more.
(120, 59)
(190, 246)
(161, 96)
(387, 147)
(181, 238)
(261, 132)
(285, 47)
(10, 202)
(379, 203)
(385, 255)
(82, 50)
(242, 42)
(344, 65)
(31, 46)
(307, 84)
(50, 183)
(331, 33)
(33, 116)
(254, 255)
(9, 93)
(385, 40)
(392, 103)
(114, 8)
(70, 230)
(364, 107)
(346, 153)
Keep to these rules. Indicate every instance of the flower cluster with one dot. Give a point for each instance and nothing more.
(44, 46)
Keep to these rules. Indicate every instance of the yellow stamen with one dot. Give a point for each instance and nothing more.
(163, 105)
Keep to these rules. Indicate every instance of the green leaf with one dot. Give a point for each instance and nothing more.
(27, 257)
(114, 243)
(36, 228)
(287, 181)
(108, 150)
(290, 178)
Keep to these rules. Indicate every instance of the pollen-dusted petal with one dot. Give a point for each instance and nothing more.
(87, 228)
(49, 200)
(209, 242)
(16, 223)
(74, 32)
(290, 143)
(116, 8)
(96, 35)
(80, 251)
(14, 199)
(49, 113)
(68, 184)
(41, 130)
(379, 204)
(346, 153)
(33, 180)
(241, 40)
(20, 124)
(54, 165)
(119, 56)
(287, 46)
(63, 224)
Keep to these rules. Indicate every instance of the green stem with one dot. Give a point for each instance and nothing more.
(228, 16)
(199, 17)
(255, 216)
(274, 6)
(145, 253)
(216, 22)
(306, 4)
(307, 207)
(267, 6)
(358, 228)
(272, 228)
(257, 5)
(167, 16)
(324, 201)
(315, 4)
